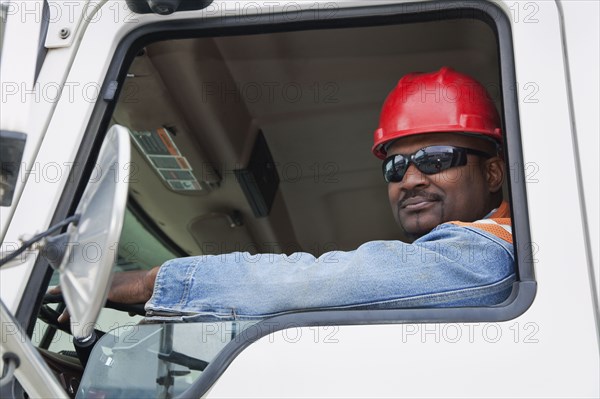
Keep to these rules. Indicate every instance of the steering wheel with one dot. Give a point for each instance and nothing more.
(50, 316)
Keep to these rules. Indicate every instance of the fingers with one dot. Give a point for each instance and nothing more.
(54, 290)
(64, 317)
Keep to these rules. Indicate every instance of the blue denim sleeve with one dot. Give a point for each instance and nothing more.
(450, 266)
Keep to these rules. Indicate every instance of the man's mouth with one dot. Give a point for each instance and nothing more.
(417, 202)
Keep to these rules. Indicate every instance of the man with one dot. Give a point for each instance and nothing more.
(440, 140)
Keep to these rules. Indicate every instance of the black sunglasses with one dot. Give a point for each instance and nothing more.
(429, 160)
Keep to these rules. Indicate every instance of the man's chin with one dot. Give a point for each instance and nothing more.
(418, 226)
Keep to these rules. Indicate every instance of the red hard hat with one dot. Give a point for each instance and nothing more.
(436, 102)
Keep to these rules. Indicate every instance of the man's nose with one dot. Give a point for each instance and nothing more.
(414, 178)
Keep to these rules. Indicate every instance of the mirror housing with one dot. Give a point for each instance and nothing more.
(12, 146)
(166, 7)
(87, 265)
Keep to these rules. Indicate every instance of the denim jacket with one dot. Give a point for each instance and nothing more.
(456, 264)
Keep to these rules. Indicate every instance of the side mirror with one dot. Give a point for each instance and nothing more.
(84, 282)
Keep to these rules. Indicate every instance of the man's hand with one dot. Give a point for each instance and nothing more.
(126, 287)
(133, 287)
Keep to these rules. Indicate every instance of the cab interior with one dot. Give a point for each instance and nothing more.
(276, 131)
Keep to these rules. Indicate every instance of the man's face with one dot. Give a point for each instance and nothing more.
(420, 202)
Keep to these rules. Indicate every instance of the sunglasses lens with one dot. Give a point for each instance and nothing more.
(394, 168)
(433, 160)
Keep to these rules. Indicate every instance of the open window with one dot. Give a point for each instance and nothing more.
(256, 138)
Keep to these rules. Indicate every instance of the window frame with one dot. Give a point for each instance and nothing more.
(524, 289)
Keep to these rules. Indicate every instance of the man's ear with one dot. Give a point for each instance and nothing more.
(495, 171)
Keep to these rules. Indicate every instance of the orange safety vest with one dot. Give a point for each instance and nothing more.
(498, 223)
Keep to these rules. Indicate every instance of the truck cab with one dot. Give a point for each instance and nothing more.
(138, 131)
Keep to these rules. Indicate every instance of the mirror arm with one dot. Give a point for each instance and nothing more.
(26, 244)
